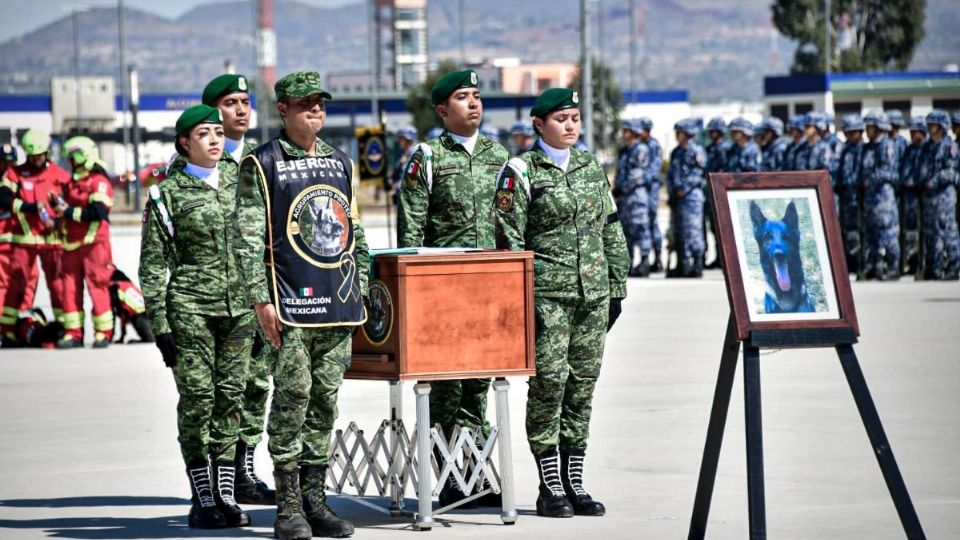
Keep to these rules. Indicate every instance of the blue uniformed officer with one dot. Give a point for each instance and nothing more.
(795, 132)
(522, 137)
(880, 177)
(938, 174)
(685, 186)
(815, 154)
(632, 191)
(909, 196)
(846, 185)
(655, 165)
(772, 147)
(744, 154)
(716, 152)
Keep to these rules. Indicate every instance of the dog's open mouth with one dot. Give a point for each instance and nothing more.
(783, 272)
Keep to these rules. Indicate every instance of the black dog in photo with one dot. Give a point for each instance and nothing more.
(779, 242)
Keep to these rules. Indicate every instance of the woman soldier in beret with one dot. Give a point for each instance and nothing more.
(555, 201)
(203, 327)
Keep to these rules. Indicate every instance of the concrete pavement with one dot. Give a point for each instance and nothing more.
(88, 446)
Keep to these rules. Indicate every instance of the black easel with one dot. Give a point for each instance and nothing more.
(843, 340)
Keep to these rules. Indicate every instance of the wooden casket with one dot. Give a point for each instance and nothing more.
(447, 315)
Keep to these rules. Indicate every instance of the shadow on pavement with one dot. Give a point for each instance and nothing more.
(130, 528)
(76, 502)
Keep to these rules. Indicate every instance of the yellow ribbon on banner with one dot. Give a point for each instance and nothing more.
(349, 287)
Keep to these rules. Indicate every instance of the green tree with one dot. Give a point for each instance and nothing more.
(418, 99)
(865, 35)
(607, 104)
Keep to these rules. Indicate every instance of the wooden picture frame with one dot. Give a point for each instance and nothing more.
(785, 267)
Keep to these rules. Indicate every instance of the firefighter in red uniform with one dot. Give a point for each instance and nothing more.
(85, 229)
(26, 190)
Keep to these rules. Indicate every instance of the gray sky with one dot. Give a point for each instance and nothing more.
(21, 17)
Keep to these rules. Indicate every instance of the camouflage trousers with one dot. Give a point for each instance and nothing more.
(655, 235)
(570, 337)
(634, 211)
(686, 218)
(909, 226)
(883, 230)
(212, 356)
(461, 402)
(850, 223)
(307, 373)
(941, 242)
(255, 396)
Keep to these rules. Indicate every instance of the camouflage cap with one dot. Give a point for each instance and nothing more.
(851, 122)
(228, 83)
(555, 99)
(300, 84)
(198, 114)
(742, 125)
(895, 117)
(466, 78)
(917, 123)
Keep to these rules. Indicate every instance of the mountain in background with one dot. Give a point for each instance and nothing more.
(717, 51)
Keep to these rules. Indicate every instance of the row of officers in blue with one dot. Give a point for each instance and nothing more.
(896, 196)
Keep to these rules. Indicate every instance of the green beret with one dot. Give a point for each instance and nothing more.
(198, 114)
(466, 78)
(300, 84)
(555, 99)
(227, 83)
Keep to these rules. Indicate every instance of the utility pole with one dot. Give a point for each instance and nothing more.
(633, 50)
(267, 62)
(124, 95)
(463, 56)
(586, 75)
(134, 106)
(603, 80)
(374, 44)
(76, 66)
(827, 51)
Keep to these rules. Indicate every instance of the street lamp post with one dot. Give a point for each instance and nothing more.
(134, 106)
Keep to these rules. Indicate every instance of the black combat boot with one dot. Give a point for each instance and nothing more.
(657, 264)
(642, 269)
(552, 501)
(204, 513)
(451, 492)
(697, 271)
(290, 523)
(223, 494)
(323, 521)
(250, 489)
(571, 469)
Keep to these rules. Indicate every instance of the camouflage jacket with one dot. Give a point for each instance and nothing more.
(848, 171)
(652, 172)
(568, 219)
(938, 164)
(686, 172)
(743, 158)
(790, 155)
(910, 166)
(717, 156)
(772, 156)
(250, 238)
(632, 163)
(188, 230)
(879, 164)
(815, 157)
(900, 143)
(445, 197)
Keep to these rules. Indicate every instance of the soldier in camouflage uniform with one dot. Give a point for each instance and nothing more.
(654, 165)
(772, 149)
(744, 154)
(900, 142)
(880, 178)
(685, 185)
(909, 196)
(445, 202)
(846, 185)
(832, 140)
(716, 152)
(203, 326)
(631, 189)
(795, 131)
(317, 257)
(556, 202)
(816, 153)
(230, 93)
(938, 174)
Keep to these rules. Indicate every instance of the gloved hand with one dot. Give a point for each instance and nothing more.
(614, 313)
(168, 348)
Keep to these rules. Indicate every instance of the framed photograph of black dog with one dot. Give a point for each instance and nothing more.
(782, 252)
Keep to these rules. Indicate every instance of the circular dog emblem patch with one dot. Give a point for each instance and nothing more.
(319, 225)
(379, 315)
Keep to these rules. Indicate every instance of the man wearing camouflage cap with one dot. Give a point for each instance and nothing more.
(772, 148)
(654, 165)
(910, 196)
(296, 208)
(445, 202)
(744, 154)
(795, 132)
(847, 177)
(686, 180)
(815, 153)
(879, 178)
